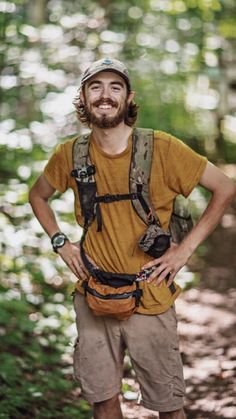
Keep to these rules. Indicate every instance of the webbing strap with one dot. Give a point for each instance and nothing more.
(98, 215)
(108, 277)
(125, 295)
(106, 199)
(104, 276)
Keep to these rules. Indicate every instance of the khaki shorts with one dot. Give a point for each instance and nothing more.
(152, 343)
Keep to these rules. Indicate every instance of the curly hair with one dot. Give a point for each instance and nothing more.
(130, 115)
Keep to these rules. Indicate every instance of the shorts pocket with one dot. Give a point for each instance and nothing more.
(175, 358)
(177, 382)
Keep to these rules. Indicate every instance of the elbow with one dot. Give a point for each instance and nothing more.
(31, 196)
(230, 192)
(234, 192)
(36, 197)
(225, 192)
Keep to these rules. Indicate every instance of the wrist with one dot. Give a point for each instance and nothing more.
(58, 240)
(187, 247)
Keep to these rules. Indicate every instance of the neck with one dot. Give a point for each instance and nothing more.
(112, 140)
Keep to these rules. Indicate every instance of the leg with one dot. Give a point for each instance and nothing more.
(98, 354)
(108, 409)
(152, 342)
(177, 414)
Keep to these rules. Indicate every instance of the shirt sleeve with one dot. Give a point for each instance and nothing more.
(184, 167)
(57, 170)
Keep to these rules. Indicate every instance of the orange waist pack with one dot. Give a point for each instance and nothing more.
(106, 300)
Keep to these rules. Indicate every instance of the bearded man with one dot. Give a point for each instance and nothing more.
(105, 102)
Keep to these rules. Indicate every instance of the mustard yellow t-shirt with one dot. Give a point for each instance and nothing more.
(176, 169)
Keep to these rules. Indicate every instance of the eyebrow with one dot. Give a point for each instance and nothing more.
(112, 83)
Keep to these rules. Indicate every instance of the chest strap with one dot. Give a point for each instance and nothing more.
(106, 199)
(109, 198)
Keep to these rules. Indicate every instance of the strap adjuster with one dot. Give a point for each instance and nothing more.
(106, 198)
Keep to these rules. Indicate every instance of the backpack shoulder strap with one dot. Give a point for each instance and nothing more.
(83, 172)
(80, 152)
(140, 168)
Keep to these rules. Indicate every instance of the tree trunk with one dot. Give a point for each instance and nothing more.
(37, 12)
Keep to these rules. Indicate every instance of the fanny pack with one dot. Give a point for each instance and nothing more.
(108, 293)
(109, 300)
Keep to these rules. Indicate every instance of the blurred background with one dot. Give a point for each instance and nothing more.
(182, 59)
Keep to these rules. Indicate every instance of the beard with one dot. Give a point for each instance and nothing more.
(105, 121)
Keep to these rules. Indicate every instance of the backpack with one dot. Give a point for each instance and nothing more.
(155, 241)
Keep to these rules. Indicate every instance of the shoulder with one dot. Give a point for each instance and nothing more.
(162, 136)
(62, 156)
(66, 146)
(64, 151)
(165, 138)
(163, 141)
(170, 144)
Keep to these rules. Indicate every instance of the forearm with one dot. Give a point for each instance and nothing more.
(70, 252)
(208, 221)
(45, 215)
(39, 195)
(177, 255)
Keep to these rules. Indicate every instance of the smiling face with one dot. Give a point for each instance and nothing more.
(106, 99)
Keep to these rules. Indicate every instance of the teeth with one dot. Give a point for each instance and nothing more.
(104, 107)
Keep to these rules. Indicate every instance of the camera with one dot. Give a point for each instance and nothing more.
(155, 241)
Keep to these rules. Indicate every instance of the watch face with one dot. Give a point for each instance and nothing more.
(59, 241)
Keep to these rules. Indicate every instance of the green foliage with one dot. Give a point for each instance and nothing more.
(180, 55)
(35, 380)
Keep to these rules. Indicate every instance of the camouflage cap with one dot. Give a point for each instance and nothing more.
(106, 64)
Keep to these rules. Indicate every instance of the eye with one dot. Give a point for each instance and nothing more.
(116, 88)
(95, 87)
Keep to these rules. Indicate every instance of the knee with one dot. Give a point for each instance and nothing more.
(177, 414)
(109, 402)
(108, 408)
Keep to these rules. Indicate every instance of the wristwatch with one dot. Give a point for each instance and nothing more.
(58, 240)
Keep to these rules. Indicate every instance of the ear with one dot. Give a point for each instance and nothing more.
(130, 96)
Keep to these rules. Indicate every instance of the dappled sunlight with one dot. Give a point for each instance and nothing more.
(200, 95)
(228, 221)
(229, 127)
(181, 56)
(185, 278)
(207, 320)
(58, 104)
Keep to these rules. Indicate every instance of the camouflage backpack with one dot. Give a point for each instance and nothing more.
(140, 167)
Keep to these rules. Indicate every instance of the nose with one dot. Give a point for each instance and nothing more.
(105, 92)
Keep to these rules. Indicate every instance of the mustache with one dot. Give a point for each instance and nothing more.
(105, 102)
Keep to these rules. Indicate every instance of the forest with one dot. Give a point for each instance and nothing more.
(182, 59)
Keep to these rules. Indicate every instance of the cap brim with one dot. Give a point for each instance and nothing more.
(123, 76)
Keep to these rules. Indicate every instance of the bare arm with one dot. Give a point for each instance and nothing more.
(39, 195)
(223, 192)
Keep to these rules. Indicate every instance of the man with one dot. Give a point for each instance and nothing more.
(105, 102)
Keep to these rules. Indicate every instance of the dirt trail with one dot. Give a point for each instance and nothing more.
(208, 346)
(207, 330)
